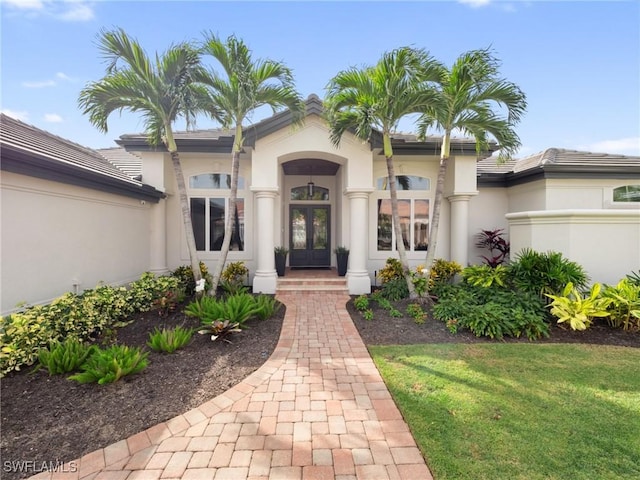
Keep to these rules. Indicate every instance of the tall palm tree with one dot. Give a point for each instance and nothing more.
(472, 97)
(161, 89)
(245, 86)
(377, 98)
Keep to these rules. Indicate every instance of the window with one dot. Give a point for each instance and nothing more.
(209, 210)
(414, 223)
(302, 193)
(405, 182)
(627, 193)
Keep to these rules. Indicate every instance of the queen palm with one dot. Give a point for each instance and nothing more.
(471, 98)
(161, 89)
(245, 86)
(376, 99)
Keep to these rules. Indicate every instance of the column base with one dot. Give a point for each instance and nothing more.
(265, 282)
(358, 283)
(159, 271)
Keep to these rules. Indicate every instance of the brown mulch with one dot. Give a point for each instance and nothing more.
(52, 419)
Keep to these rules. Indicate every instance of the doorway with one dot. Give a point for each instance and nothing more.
(309, 231)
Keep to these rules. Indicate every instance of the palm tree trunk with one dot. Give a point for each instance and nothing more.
(437, 203)
(228, 226)
(395, 215)
(184, 205)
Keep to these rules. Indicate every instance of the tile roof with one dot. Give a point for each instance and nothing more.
(129, 163)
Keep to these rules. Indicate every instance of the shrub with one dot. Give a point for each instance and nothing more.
(415, 311)
(111, 364)
(392, 270)
(233, 277)
(443, 272)
(493, 240)
(143, 293)
(184, 274)
(395, 289)
(577, 310)
(22, 336)
(267, 306)
(623, 305)
(367, 314)
(235, 308)
(111, 302)
(545, 273)
(361, 303)
(485, 276)
(64, 357)
(169, 340)
(169, 301)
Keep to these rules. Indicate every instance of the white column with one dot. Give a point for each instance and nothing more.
(460, 228)
(265, 278)
(358, 280)
(158, 238)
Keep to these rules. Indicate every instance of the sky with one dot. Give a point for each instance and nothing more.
(578, 62)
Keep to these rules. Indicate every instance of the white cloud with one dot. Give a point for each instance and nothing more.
(622, 146)
(52, 118)
(67, 10)
(18, 115)
(42, 84)
(475, 3)
(63, 76)
(25, 4)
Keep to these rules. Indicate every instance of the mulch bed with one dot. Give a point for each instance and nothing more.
(54, 419)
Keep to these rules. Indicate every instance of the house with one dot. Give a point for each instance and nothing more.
(114, 213)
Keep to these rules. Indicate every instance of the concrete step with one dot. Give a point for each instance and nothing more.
(312, 284)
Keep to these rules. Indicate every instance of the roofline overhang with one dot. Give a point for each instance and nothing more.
(18, 161)
(594, 172)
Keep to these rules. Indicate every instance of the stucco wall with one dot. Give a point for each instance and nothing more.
(528, 196)
(58, 238)
(605, 242)
(487, 211)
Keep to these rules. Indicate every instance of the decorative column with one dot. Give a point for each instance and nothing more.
(460, 228)
(358, 280)
(158, 238)
(265, 278)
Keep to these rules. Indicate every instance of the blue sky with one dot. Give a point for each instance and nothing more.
(577, 62)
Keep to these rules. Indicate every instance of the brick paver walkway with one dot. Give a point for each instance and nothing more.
(317, 409)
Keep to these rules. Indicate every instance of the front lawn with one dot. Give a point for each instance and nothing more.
(519, 411)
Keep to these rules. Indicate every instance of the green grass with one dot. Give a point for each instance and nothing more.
(519, 411)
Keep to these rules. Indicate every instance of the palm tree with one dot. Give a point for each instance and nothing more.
(245, 86)
(376, 99)
(161, 89)
(471, 96)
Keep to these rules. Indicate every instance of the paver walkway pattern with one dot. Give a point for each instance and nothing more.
(317, 409)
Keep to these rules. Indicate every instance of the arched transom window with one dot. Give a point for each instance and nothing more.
(627, 193)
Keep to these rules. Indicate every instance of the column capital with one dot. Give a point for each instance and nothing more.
(268, 192)
(361, 192)
(461, 196)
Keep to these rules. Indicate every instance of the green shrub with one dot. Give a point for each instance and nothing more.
(485, 276)
(207, 309)
(233, 278)
(395, 289)
(367, 314)
(392, 270)
(623, 305)
(577, 310)
(235, 308)
(169, 340)
(267, 305)
(361, 303)
(490, 320)
(111, 302)
(545, 273)
(443, 272)
(111, 364)
(634, 278)
(415, 311)
(64, 357)
(22, 335)
(184, 274)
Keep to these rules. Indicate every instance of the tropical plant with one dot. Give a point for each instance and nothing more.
(470, 95)
(543, 273)
(236, 308)
(111, 364)
(184, 273)
(494, 241)
(220, 329)
(577, 310)
(160, 88)
(485, 275)
(624, 305)
(442, 272)
(246, 86)
(392, 270)
(267, 306)
(281, 251)
(634, 277)
(415, 311)
(377, 98)
(395, 289)
(169, 340)
(64, 357)
(361, 303)
(340, 250)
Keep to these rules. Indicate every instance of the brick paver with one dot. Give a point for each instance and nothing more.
(317, 409)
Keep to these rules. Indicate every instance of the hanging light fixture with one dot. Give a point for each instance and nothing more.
(310, 185)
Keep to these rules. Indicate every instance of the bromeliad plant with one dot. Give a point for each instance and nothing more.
(169, 340)
(576, 310)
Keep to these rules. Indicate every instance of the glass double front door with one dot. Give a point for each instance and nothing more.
(309, 236)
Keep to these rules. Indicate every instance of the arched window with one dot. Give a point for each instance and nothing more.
(627, 193)
(405, 182)
(210, 209)
(302, 193)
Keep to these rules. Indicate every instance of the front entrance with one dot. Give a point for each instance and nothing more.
(309, 236)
